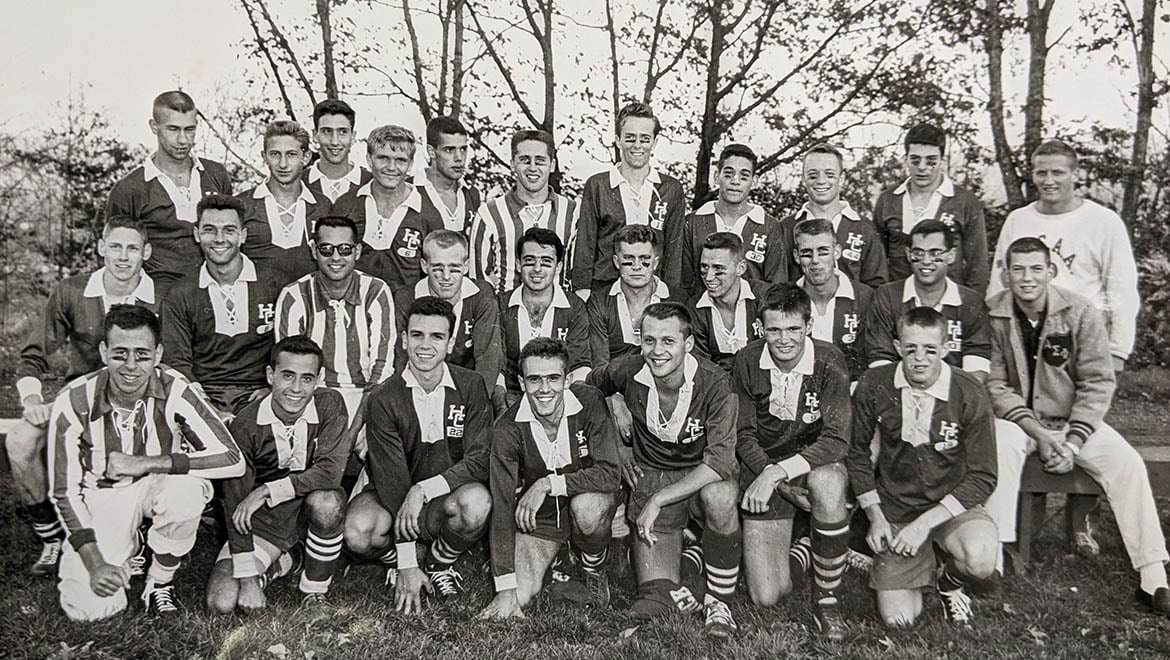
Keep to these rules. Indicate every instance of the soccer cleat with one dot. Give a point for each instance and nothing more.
(719, 621)
(447, 582)
(957, 606)
(660, 598)
(858, 561)
(1158, 602)
(829, 621)
(159, 599)
(597, 582)
(314, 599)
(46, 564)
(137, 563)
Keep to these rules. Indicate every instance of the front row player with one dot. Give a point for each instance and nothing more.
(131, 440)
(935, 468)
(295, 447)
(557, 447)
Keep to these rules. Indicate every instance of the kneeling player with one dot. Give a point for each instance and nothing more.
(559, 448)
(294, 444)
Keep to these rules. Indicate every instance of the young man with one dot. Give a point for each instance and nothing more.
(428, 464)
(217, 325)
(131, 440)
(862, 256)
(531, 203)
(333, 175)
(540, 308)
(163, 191)
(630, 193)
(928, 194)
(447, 200)
(931, 254)
(1051, 383)
(280, 213)
(386, 210)
(935, 466)
(554, 477)
(838, 303)
(794, 400)
(679, 462)
(724, 314)
(294, 446)
(761, 234)
(349, 314)
(74, 314)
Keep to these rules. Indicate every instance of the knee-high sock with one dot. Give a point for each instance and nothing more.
(447, 548)
(721, 554)
(593, 548)
(830, 544)
(321, 553)
(951, 578)
(162, 568)
(44, 521)
(800, 557)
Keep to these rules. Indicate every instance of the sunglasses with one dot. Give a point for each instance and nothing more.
(327, 250)
(918, 254)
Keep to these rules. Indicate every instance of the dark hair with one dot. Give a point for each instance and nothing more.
(631, 234)
(175, 100)
(639, 110)
(786, 298)
(443, 125)
(432, 306)
(285, 127)
(741, 151)
(543, 237)
(813, 227)
(1028, 245)
(336, 222)
(929, 227)
(445, 238)
(544, 347)
(927, 134)
(132, 317)
(534, 135)
(119, 221)
(296, 345)
(724, 240)
(219, 202)
(1057, 148)
(333, 107)
(826, 148)
(669, 309)
(922, 317)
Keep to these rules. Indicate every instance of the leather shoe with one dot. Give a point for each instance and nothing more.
(1158, 602)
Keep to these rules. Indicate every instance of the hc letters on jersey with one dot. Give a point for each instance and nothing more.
(455, 416)
(948, 219)
(692, 431)
(583, 448)
(855, 242)
(759, 248)
(658, 216)
(410, 240)
(950, 435)
(850, 322)
(812, 404)
(562, 334)
(955, 335)
(266, 312)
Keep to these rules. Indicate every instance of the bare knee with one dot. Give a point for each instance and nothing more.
(767, 595)
(325, 509)
(719, 506)
(592, 512)
(469, 507)
(25, 443)
(976, 556)
(222, 589)
(363, 531)
(827, 485)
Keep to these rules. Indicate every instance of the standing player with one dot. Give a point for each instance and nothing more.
(630, 193)
(531, 203)
(559, 449)
(934, 469)
(333, 174)
(131, 440)
(447, 200)
(794, 400)
(928, 194)
(294, 447)
(163, 191)
(679, 462)
(725, 313)
(428, 464)
(862, 256)
(74, 313)
(217, 324)
(280, 213)
(761, 234)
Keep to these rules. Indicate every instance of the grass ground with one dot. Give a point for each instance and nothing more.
(1067, 607)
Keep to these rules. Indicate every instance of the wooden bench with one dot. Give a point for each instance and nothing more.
(1036, 485)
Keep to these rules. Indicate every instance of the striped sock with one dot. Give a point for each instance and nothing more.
(593, 562)
(721, 553)
(321, 553)
(44, 521)
(162, 568)
(799, 561)
(390, 556)
(447, 548)
(950, 579)
(830, 545)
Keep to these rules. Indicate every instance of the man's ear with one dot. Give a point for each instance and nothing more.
(103, 352)
(898, 347)
(268, 375)
(146, 252)
(430, 154)
(690, 343)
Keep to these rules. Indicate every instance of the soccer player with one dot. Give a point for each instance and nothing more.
(931, 254)
(554, 477)
(386, 210)
(74, 313)
(447, 200)
(333, 174)
(838, 303)
(217, 324)
(428, 464)
(1051, 384)
(928, 194)
(348, 313)
(539, 307)
(163, 191)
(934, 469)
(679, 462)
(862, 255)
(280, 213)
(724, 314)
(794, 400)
(531, 203)
(632, 192)
(294, 446)
(131, 440)
(761, 234)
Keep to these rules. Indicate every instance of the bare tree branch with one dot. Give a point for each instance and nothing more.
(284, 45)
(416, 60)
(262, 46)
(503, 69)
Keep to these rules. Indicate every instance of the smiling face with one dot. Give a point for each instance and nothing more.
(821, 178)
(636, 263)
(924, 165)
(1055, 179)
(922, 351)
(664, 348)
(220, 234)
(544, 384)
(293, 380)
(390, 164)
(334, 138)
(336, 267)
(720, 270)
(735, 178)
(124, 251)
(131, 356)
(175, 132)
(285, 158)
(1028, 276)
(428, 341)
(445, 268)
(817, 255)
(449, 157)
(538, 266)
(929, 258)
(532, 164)
(785, 334)
(636, 140)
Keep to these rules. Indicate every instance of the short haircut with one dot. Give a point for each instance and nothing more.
(219, 202)
(669, 309)
(289, 128)
(445, 238)
(535, 135)
(724, 240)
(826, 148)
(741, 151)
(927, 134)
(173, 100)
(640, 111)
(132, 317)
(337, 222)
(390, 135)
(1057, 148)
(119, 221)
(333, 107)
(296, 345)
(929, 227)
(440, 126)
(1028, 245)
(922, 317)
(785, 298)
(432, 306)
(544, 347)
(814, 227)
(543, 237)
(632, 234)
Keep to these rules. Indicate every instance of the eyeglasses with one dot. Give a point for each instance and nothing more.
(918, 254)
(327, 250)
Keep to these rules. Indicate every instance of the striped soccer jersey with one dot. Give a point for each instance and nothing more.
(502, 221)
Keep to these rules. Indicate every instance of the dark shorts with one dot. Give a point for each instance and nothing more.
(431, 517)
(672, 517)
(892, 572)
(229, 398)
(779, 507)
(279, 525)
(553, 520)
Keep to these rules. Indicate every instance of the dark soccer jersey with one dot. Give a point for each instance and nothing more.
(612, 332)
(712, 339)
(968, 337)
(435, 213)
(565, 320)
(849, 315)
(279, 250)
(391, 252)
(357, 177)
(766, 250)
(863, 257)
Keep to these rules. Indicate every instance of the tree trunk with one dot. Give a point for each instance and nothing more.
(457, 60)
(710, 129)
(1037, 63)
(327, 49)
(611, 27)
(1135, 173)
(993, 38)
(550, 81)
(424, 104)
